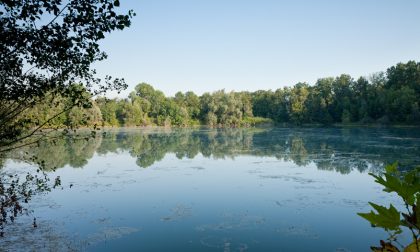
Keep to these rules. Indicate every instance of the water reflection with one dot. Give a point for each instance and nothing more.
(334, 149)
(214, 189)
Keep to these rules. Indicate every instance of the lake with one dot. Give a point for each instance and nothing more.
(269, 189)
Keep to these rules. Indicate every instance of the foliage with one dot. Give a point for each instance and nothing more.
(407, 187)
(45, 48)
(17, 190)
(391, 97)
(147, 106)
(331, 100)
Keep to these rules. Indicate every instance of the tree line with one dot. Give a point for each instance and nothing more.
(147, 106)
(386, 97)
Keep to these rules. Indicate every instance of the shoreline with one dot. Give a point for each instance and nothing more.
(266, 125)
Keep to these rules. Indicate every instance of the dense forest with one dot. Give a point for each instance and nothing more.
(390, 97)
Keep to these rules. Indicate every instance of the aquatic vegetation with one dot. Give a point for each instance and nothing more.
(16, 190)
(265, 189)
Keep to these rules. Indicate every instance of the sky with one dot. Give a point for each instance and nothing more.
(204, 46)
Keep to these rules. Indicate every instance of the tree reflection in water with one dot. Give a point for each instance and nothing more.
(334, 149)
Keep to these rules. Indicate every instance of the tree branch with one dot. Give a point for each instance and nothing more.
(34, 130)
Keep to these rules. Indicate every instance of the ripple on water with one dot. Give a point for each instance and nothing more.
(179, 212)
(296, 179)
(110, 233)
(233, 222)
(299, 230)
(223, 243)
(22, 236)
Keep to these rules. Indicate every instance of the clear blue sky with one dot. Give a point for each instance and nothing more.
(182, 45)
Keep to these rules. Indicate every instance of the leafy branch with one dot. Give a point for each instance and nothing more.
(407, 186)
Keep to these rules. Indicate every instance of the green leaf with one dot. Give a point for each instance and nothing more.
(379, 180)
(392, 183)
(407, 187)
(417, 211)
(392, 168)
(387, 218)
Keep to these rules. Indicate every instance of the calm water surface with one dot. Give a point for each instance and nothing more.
(213, 190)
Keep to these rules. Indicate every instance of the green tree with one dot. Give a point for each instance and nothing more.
(359, 104)
(280, 105)
(153, 101)
(45, 46)
(319, 102)
(404, 75)
(400, 103)
(298, 97)
(341, 97)
(129, 113)
(108, 109)
(376, 95)
(262, 103)
(192, 103)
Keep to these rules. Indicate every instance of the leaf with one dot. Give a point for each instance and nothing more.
(392, 183)
(416, 211)
(380, 180)
(392, 168)
(406, 187)
(100, 35)
(387, 218)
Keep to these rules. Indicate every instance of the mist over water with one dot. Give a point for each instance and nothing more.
(272, 189)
